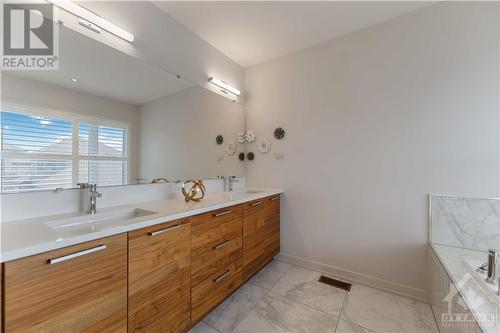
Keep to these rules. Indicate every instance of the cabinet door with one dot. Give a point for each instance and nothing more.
(159, 278)
(82, 288)
(260, 234)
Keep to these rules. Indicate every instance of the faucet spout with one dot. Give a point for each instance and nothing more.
(93, 194)
(492, 266)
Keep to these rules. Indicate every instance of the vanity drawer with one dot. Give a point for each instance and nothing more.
(74, 289)
(214, 256)
(209, 293)
(163, 248)
(209, 227)
(159, 278)
(259, 251)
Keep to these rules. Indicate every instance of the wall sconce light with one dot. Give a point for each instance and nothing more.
(91, 20)
(226, 87)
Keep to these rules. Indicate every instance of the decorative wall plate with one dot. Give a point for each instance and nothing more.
(241, 136)
(219, 139)
(250, 156)
(250, 136)
(219, 157)
(264, 146)
(230, 149)
(279, 133)
(241, 156)
(278, 155)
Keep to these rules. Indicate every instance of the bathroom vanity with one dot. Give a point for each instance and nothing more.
(165, 276)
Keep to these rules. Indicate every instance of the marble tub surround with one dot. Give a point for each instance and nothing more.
(32, 236)
(244, 312)
(472, 223)
(478, 300)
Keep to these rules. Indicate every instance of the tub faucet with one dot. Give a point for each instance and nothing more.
(93, 194)
(493, 256)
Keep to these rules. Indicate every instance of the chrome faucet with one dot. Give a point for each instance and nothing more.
(493, 256)
(228, 182)
(93, 194)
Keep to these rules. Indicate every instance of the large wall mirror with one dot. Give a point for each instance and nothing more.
(107, 118)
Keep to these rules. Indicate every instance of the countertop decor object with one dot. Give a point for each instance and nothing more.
(159, 180)
(279, 133)
(264, 146)
(241, 136)
(219, 139)
(250, 156)
(250, 136)
(230, 149)
(241, 156)
(196, 191)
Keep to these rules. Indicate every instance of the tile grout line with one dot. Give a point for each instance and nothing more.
(344, 301)
(265, 294)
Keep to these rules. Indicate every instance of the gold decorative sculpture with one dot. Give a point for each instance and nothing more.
(159, 180)
(193, 193)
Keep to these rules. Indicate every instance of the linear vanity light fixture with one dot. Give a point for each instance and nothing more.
(224, 85)
(89, 19)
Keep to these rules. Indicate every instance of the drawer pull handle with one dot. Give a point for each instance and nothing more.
(221, 245)
(222, 213)
(256, 203)
(224, 275)
(275, 198)
(77, 254)
(161, 231)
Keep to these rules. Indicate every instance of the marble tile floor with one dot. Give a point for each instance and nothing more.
(285, 298)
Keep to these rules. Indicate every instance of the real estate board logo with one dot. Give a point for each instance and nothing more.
(29, 36)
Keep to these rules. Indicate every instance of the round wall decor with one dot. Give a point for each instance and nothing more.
(241, 156)
(264, 146)
(279, 133)
(250, 156)
(219, 139)
(250, 136)
(241, 136)
(230, 148)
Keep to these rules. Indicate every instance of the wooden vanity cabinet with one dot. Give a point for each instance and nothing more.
(81, 288)
(159, 278)
(216, 265)
(261, 233)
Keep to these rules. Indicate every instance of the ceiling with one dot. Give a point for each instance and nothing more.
(254, 32)
(106, 72)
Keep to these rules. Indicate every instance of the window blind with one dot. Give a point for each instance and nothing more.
(39, 152)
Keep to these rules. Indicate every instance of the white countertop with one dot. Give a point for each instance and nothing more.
(32, 236)
(479, 299)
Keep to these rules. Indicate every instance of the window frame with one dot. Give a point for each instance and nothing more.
(74, 157)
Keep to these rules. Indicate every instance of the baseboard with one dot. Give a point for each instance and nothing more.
(349, 276)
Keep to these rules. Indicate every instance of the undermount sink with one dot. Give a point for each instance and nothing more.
(98, 220)
(253, 192)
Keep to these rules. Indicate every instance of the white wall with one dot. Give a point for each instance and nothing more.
(28, 92)
(375, 121)
(160, 40)
(177, 136)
